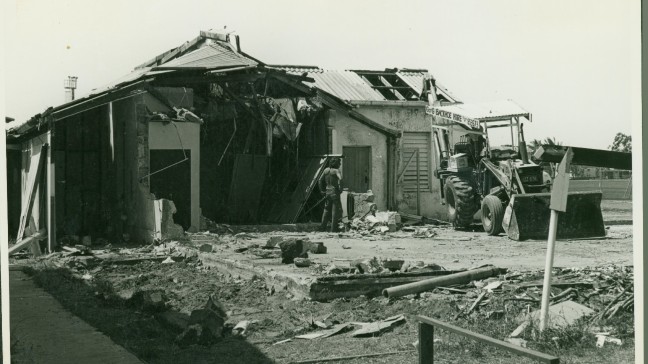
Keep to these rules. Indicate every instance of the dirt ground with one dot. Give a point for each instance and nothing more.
(101, 299)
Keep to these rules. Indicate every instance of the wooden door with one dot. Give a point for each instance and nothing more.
(356, 168)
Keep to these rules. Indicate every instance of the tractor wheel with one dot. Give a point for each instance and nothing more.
(492, 213)
(460, 198)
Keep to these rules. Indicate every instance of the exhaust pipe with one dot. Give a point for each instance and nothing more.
(522, 145)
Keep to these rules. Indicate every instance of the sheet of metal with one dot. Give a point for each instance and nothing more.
(131, 77)
(413, 79)
(349, 86)
(212, 56)
(345, 85)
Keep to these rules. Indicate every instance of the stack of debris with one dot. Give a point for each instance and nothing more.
(291, 250)
(599, 293)
(377, 265)
(376, 222)
(212, 227)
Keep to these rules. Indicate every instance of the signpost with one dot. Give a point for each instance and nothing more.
(558, 203)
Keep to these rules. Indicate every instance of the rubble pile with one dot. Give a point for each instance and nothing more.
(377, 265)
(594, 293)
(376, 222)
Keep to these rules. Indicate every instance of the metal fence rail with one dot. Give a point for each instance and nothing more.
(426, 342)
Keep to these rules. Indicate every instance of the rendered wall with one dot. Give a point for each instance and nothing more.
(350, 132)
(409, 117)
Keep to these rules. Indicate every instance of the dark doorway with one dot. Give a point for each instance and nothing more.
(173, 182)
(356, 168)
(14, 189)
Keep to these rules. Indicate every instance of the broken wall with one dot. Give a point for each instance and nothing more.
(165, 136)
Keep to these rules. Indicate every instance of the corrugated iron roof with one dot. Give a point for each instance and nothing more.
(413, 79)
(131, 77)
(212, 56)
(496, 110)
(349, 86)
(345, 85)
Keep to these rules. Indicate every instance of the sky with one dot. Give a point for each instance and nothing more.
(573, 64)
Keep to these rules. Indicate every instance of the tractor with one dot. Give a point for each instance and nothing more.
(501, 182)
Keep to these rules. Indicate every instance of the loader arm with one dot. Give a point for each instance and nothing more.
(585, 156)
(499, 175)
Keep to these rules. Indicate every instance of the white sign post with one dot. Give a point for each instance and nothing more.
(559, 196)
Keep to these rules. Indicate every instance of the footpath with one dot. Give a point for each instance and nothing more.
(47, 333)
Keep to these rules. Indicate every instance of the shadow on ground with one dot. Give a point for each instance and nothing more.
(142, 333)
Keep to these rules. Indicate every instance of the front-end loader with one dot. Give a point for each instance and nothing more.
(501, 182)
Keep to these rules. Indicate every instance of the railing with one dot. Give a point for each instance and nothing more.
(426, 342)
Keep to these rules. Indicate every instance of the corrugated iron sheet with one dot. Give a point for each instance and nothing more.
(349, 86)
(496, 110)
(131, 77)
(212, 56)
(345, 85)
(413, 79)
(446, 93)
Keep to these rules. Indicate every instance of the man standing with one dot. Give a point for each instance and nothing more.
(330, 186)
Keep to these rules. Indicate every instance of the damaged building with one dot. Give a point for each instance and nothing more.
(206, 133)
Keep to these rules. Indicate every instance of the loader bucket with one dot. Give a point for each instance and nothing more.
(527, 216)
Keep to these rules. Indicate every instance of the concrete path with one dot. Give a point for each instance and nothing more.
(47, 333)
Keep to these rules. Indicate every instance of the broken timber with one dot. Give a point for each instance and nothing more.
(24, 243)
(449, 280)
(32, 187)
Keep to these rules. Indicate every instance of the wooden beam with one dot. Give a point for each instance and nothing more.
(51, 186)
(100, 100)
(32, 185)
(24, 243)
(203, 79)
(536, 355)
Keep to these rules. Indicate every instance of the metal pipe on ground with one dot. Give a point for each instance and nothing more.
(444, 281)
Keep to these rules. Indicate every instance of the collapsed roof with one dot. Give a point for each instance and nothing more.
(211, 56)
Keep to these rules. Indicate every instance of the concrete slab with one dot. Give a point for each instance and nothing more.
(47, 333)
(304, 282)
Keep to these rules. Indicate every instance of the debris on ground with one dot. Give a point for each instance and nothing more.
(376, 222)
(603, 338)
(377, 328)
(302, 262)
(205, 325)
(364, 328)
(291, 249)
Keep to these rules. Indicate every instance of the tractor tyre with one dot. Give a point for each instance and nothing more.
(492, 212)
(460, 198)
